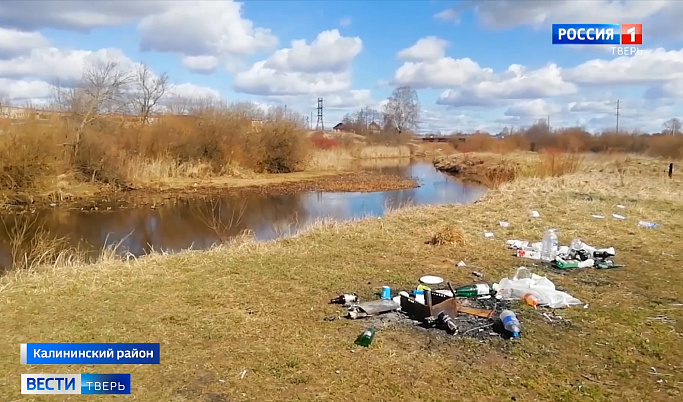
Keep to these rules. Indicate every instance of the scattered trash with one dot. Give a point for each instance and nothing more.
(386, 292)
(617, 216)
(243, 374)
(431, 280)
(530, 299)
(473, 290)
(345, 299)
(620, 206)
(371, 308)
(420, 296)
(598, 216)
(646, 224)
(451, 326)
(477, 274)
(541, 288)
(549, 245)
(510, 322)
(577, 255)
(462, 264)
(548, 317)
(535, 214)
(504, 224)
(586, 305)
(488, 234)
(365, 339)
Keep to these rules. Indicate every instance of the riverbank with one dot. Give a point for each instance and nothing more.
(246, 321)
(351, 178)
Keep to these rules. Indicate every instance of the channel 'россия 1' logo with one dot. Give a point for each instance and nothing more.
(597, 34)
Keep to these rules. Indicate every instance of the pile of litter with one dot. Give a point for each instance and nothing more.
(577, 255)
(476, 311)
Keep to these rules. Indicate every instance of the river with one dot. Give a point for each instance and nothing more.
(180, 224)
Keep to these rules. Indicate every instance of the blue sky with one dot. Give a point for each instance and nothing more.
(476, 65)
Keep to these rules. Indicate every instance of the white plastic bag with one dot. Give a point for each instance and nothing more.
(542, 288)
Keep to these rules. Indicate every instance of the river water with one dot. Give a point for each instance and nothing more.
(200, 223)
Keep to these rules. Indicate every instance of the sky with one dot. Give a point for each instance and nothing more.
(476, 65)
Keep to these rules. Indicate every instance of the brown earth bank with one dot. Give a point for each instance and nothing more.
(283, 183)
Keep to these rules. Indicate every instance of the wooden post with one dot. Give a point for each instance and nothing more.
(671, 170)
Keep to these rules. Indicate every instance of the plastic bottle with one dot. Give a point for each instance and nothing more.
(473, 290)
(510, 322)
(530, 299)
(365, 339)
(549, 245)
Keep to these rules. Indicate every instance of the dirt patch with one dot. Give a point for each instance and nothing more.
(489, 172)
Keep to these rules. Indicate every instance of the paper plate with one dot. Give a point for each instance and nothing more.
(431, 280)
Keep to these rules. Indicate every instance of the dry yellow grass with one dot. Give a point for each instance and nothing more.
(259, 307)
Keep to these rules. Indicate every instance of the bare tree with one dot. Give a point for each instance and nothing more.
(673, 126)
(402, 110)
(102, 90)
(147, 91)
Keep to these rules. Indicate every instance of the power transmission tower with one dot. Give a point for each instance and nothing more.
(617, 116)
(319, 125)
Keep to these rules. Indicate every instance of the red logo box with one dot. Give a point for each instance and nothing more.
(631, 34)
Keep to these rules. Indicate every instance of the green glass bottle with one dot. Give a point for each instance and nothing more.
(365, 339)
(473, 290)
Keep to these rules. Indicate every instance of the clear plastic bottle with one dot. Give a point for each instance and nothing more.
(549, 245)
(510, 322)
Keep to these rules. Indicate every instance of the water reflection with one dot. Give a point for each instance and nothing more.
(198, 224)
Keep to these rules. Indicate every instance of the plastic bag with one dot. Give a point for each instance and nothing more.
(541, 287)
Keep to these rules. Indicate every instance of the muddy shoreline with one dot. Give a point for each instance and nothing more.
(105, 199)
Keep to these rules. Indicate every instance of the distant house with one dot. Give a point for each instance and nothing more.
(374, 128)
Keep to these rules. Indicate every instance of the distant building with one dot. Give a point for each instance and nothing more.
(374, 128)
(339, 128)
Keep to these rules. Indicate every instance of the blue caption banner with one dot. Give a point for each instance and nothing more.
(586, 34)
(90, 353)
(75, 384)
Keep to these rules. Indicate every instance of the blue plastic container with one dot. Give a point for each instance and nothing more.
(386, 292)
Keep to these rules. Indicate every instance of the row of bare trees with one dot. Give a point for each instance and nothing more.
(401, 113)
(110, 89)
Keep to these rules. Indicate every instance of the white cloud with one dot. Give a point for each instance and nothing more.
(14, 43)
(260, 80)
(205, 28)
(532, 108)
(192, 91)
(200, 64)
(329, 52)
(442, 73)
(448, 14)
(345, 22)
(515, 83)
(78, 15)
(661, 17)
(649, 67)
(353, 99)
(60, 65)
(672, 89)
(323, 67)
(429, 48)
(22, 91)
(592, 106)
(510, 13)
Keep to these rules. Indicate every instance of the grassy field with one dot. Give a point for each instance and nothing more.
(245, 321)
